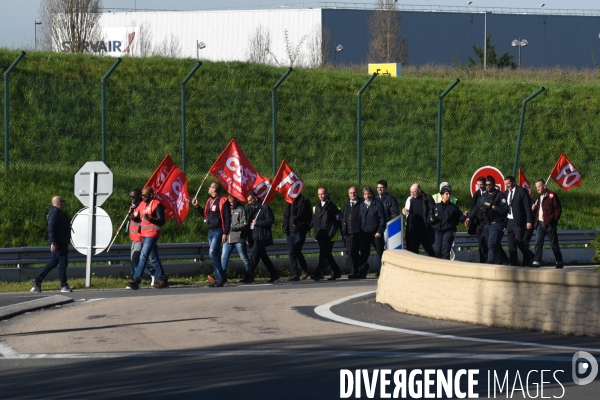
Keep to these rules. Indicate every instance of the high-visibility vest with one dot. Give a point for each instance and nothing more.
(134, 227)
(437, 198)
(147, 228)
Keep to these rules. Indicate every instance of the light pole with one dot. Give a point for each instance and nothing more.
(36, 23)
(338, 48)
(519, 43)
(485, 41)
(199, 46)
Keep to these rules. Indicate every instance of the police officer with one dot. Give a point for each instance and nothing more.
(444, 217)
(491, 211)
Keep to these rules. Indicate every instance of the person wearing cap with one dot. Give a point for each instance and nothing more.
(491, 210)
(437, 198)
(444, 217)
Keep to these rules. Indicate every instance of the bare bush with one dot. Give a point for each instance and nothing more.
(318, 47)
(385, 30)
(259, 46)
(169, 47)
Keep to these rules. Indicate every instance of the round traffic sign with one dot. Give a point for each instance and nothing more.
(485, 171)
(80, 230)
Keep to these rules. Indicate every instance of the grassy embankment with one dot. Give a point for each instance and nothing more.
(56, 119)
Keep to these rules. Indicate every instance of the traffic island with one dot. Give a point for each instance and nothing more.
(549, 300)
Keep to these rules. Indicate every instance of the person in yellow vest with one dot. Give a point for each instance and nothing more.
(437, 198)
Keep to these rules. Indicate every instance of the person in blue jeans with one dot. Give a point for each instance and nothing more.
(237, 236)
(59, 234)
(217, 216)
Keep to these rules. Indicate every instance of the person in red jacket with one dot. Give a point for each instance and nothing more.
(546, 214)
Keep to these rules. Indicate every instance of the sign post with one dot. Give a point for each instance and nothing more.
(93, 185)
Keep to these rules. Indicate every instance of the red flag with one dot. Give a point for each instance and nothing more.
(174, 196)
(262, 187)
(524, 182)
(161, 173)
(234, 171)
(565, 173)
(287, 182)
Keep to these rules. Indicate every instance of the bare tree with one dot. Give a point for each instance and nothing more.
(293, 53)
(385, 31)
(69, 25)
(259, 46)
(144, 40)
(318, 47)
(169, 47)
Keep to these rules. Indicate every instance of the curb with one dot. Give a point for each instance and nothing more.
(20, 308)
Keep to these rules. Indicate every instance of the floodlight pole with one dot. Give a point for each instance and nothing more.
(540, 90)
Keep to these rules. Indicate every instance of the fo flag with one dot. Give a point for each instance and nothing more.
(287, 182)
(161, 173)
(523, 182)
(565, 173)
(234, 171)
(262, 187)
(174, 196)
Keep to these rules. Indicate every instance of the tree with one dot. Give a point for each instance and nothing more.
(293, 53)
(69, 25)
(169, 47)
(318, 47)
(385, 31)
(505, 60)
(259, 46)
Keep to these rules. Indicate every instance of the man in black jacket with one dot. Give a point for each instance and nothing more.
(372, 226)
(418, 227)
(519, 220)
(326, 224)
(296, 223)
(59, 234)
(351, 229)
(260, 221)
(475, 228)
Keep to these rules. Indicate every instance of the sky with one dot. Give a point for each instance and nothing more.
(17, 17)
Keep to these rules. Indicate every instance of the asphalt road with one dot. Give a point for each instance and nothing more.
(267, 342)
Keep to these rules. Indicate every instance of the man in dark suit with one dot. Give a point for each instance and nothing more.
(475, 228)
(351, 230)
(519, 219)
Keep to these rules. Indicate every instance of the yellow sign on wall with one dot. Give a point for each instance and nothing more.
(391, 69)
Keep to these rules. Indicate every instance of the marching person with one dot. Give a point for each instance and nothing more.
(491, 210)
(389, 202)
(326, 224)
(351, 230)
(444, 218)
(151, 219)
(372, 226)
(547, 211)
(475, 227)
(217, 216)
(297, 217)
(437, 198)
(133, 227)
(418, 228)
(519, 220)
(237, 237)
(59, 234)
(260, 221)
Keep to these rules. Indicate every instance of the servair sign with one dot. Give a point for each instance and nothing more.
(114, 41)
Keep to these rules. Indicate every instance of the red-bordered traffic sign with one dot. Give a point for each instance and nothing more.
(485, 171)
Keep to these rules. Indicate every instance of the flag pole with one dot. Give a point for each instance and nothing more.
(119, 230)
(196, 196)
(549, 176)
(263, 202)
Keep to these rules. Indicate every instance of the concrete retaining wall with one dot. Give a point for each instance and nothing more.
(561, 301)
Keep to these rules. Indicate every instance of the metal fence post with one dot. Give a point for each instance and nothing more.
(183, 115)
(518, 152)
(6, 105)
(274, 106)
(359, 127)
(439, 149)
(103, 86)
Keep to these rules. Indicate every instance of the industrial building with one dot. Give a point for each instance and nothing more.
(438, 35)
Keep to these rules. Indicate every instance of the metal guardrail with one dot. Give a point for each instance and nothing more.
(22, 256)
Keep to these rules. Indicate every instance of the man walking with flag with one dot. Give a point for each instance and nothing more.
(547, 211)
(217, 216)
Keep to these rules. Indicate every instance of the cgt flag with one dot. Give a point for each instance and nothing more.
(234, 171)
(161, 173)
(287, 182)
(524, 182)
(174, 196)
(565, 173)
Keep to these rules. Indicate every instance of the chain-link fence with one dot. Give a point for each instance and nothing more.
(55, 126)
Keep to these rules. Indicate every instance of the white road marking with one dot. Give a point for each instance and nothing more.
(325, 312)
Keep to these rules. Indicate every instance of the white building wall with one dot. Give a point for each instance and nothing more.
(225, 33)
